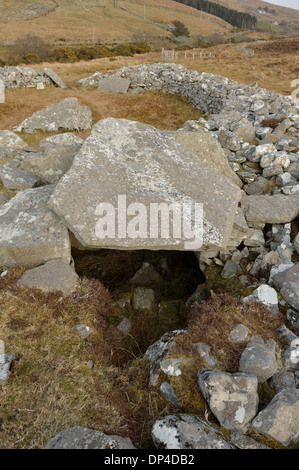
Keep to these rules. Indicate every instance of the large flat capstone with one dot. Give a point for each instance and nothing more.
(30, 233)
(123, 163)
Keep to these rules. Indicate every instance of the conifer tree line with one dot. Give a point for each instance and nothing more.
(236, 18)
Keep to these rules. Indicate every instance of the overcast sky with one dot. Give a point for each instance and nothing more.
(286, 3)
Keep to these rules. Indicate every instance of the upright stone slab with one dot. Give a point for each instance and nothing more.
(54, 77)
(65, 114)
(114, 84)
(30, 233)
(141, 165)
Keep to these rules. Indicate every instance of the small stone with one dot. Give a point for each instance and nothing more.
(84, 330)
(168, 393)
(259, 359)
(205, 352)
(143, 299)
(239, 333)
(283, 380)
(125, 326)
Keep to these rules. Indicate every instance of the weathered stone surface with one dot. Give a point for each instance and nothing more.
(122, 157)
(288, 283)
(83, 330)
(168, 393)
(3, 198)
(283, 380)
(266, 295)
(274, 209)
(259, 359)
(186, 432)
(67, 139)
(79, 437)
(232, 398)
(30, 233)
(13, 178)
(65, 114)
(5, 364)
(54, 77)
(280, 418)
(209, 151)
(11, 141)
(55, 275)
(205, 352)
(239, 333)
(158, 350)
(51, 165)
(114, 84)
(143, 299)
(145, 275)
(245, 442)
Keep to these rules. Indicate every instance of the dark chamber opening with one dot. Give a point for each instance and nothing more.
(179, 270)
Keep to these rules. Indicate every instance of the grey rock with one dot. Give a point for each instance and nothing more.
(114, 84)
(232, 398)
(66, 114)
(257, 188)
(31, 234)
(125, 326)
(3, 198)
(11, 141)
(5, 365)
(256, 239)
(54, 77)
(145, 275)
(209, 151)
(239, 333)
(266, 295)
(145, 166)
(168, 393)
(16, 179)
(274, 209)
(279, 420)
(158, 350)
(230, 269)
(67, 139)
(172, 366)
(288, 283)
(259, 359)
(79, 437)
(84, 330)
(143, 299)
(283, 380)
(205, 352)
(245, 442)
(55, 275)
(186, 432)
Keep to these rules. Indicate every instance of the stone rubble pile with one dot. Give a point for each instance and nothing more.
(17, 76)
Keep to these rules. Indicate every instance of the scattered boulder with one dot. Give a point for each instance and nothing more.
(66, 114)
(259, 359)
(30, 233)
(232, 398)
(288, 283)
(55, 275)
(79, 437)
(239, 333)
(10, 142)
(279, 420)
(283, 380)
(13, 178)
(276, 209)
(186, 432)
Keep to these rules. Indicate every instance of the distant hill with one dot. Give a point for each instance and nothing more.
(88, 20)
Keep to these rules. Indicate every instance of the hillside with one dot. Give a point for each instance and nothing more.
(251, 6)
(88, 20)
